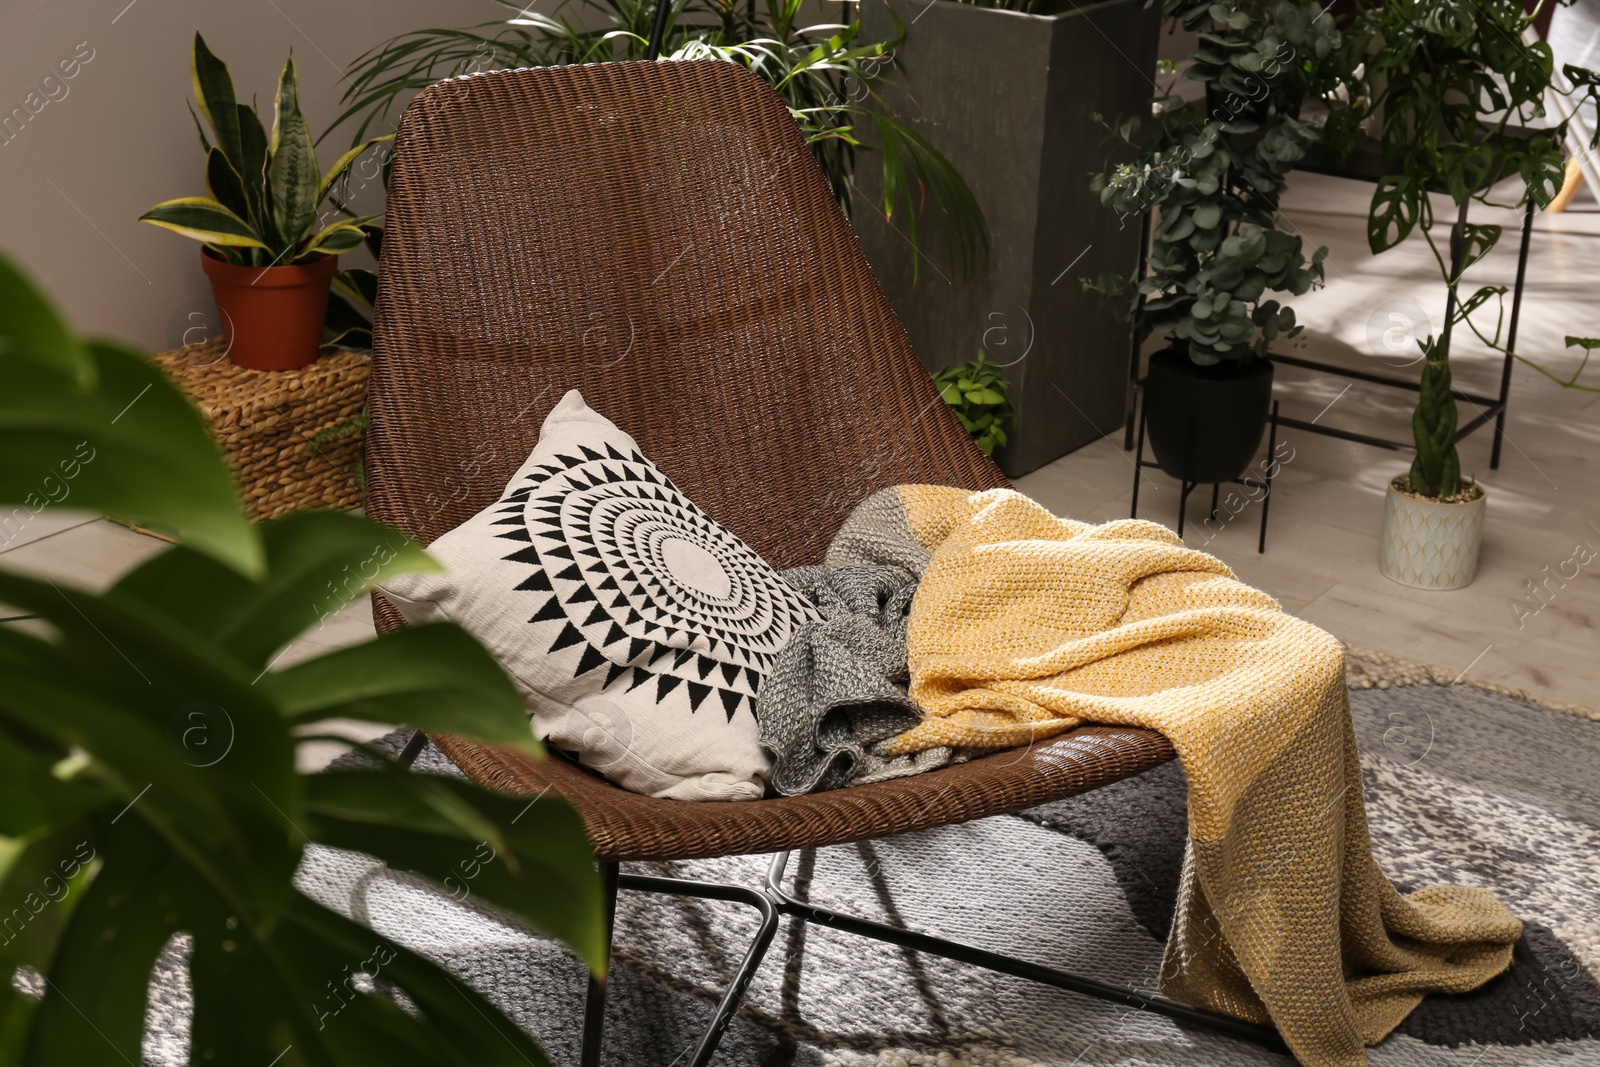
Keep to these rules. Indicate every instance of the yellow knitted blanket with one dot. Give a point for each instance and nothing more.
(1025, 625)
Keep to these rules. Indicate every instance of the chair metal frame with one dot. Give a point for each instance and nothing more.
(773, 902)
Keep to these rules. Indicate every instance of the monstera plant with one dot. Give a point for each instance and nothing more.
(1456, 92)
(1453, 88)
(269, 252)
(1211, 172)
(150, 807)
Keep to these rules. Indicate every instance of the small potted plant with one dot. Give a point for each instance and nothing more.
(1432, 517)
(1213, 170)
(977, 393)
(1456, 95)
(268, 256)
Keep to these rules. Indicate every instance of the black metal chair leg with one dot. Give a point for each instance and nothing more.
(773, 902)
(952, 950)
(739, 985)
(594, 1004)
(764, 902)
(1272, 463)
(413, 749)
(1216, 489)
(1138, 464)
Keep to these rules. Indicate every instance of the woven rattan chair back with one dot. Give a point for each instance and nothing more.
(657, 236)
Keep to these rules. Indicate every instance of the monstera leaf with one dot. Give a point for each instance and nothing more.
(150, 806)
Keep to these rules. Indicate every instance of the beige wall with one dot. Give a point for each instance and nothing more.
(115, 137)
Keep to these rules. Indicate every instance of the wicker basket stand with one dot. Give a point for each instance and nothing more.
(265, 422)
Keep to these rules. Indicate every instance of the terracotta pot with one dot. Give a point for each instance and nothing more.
(1429, 544)
(271, 316)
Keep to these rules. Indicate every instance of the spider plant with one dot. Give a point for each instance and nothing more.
(829, 80)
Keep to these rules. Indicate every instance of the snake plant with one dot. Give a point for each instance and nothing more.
(265, 190)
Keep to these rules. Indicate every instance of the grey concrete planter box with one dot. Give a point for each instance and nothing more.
(1010, 99)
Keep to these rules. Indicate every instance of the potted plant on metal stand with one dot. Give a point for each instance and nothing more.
(1213, 177)
(269, 259)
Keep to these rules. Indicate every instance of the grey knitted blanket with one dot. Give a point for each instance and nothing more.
(837, 691)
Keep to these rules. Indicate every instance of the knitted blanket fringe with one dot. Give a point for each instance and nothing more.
(1025, 625)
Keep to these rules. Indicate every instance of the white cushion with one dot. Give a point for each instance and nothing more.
(639, 629)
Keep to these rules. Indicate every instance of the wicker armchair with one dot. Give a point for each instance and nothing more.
(658, 236)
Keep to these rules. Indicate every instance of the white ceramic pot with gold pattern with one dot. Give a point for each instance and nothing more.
(1430, 544)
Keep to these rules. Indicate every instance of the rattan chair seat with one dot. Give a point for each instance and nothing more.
(627, 826)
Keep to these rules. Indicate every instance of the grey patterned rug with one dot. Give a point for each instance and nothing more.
(1464, 785)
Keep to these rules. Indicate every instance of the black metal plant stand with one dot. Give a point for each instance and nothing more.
(1488, 408)
(1264, 484)
(658, 29)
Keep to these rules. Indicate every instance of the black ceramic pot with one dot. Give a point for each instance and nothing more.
(1205, 423)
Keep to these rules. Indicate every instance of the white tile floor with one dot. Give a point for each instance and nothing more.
(1322, 543)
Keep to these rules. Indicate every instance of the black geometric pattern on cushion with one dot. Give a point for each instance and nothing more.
(637, 629)
(645, 580)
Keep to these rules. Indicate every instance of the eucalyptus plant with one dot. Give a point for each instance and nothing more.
(1455, 95)
(1214, 171)
(266, 190)
(150, 807)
